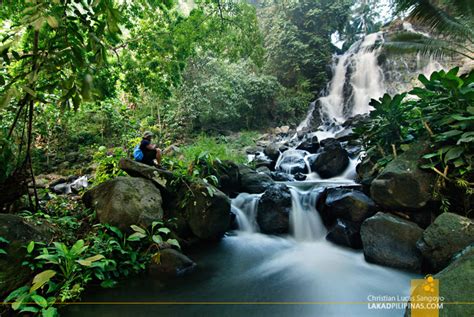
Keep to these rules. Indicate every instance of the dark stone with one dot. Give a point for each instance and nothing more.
(391, 241)
(253, 182)
(125, 201)
(300, 177)
(447, 235)
(402, 184)
(345, 233)
(348, 204)
(169, 262)
(228, 175)
(274, 209)
(332, 161)
(309, 144)
(282, 177)
(264, 170)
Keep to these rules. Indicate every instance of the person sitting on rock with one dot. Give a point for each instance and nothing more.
(150, 151)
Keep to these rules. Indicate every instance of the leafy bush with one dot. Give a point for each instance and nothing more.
(442, 110)
(108, 164)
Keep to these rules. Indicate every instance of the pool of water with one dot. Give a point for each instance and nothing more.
(251, 274)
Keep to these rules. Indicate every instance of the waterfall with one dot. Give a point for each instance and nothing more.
(244, 206)
(356, 79)
(305, 222)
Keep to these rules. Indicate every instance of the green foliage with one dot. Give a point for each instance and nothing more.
(391, 124)
(107, 161)
(442, 112)
(218, 95)
(104, 255)
(446, 103)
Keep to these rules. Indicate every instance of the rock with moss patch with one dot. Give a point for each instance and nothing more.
(402, 184)
(446, 236)
(391, 241)
(125, 201)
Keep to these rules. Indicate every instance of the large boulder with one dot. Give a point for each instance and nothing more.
(391, 241)
(18, 233)
(253, 182)
(169, 262)
(345, 233)
(455, 285)
(125, 201)
(446, 236)
(332, 161)
(402, 184)
(310, 144)
(273, 210)
(348, 204)
(207, 211)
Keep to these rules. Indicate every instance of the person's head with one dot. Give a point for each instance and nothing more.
(148, 135)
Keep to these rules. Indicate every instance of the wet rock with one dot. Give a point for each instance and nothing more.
(345, 233)
(300, 177)
(253, 182)
(264, 170)
(282, 177)
(391, 241)
(18, 233)
(125, 201)
(293, 162)
(272, 151)
(348, 204)
(169, 262)
(402, 184)
(274, 209)
(446, 236)
(310, 145)
(332, 161)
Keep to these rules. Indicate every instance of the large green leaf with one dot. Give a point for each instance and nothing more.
(42, 278)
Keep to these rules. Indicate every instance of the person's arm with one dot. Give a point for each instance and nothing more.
(151, 146)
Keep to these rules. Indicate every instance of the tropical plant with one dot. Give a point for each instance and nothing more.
(442, 112)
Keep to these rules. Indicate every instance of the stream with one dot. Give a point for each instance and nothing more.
(301, 274)
(260, 275)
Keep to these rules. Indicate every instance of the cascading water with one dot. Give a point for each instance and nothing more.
(305, 223)
(244, 206)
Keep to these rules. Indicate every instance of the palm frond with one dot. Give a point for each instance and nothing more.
(408, 42)
(457, 23)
